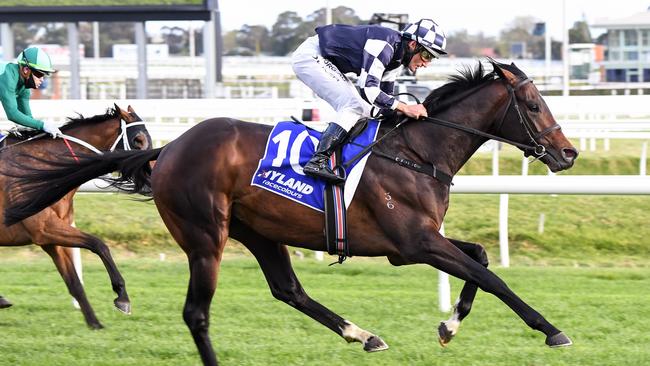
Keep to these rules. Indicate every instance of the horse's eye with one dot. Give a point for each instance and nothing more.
(533, 107)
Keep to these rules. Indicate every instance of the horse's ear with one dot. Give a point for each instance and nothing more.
(130, 109)
(117, 108)
(504, 74)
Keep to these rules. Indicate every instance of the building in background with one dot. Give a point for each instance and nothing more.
(584, 60)
(627, 54)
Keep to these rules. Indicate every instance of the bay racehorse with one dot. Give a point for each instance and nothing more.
(51, 227)
(201, 186)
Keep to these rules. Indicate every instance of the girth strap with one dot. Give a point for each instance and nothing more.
(428, 169)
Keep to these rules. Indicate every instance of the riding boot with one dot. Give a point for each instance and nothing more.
(4, 303)
(318, 165)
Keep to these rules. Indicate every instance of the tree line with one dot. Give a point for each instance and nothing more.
(289, 31)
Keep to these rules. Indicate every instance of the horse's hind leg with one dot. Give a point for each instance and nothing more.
(448, 329)
(275, 262)
(203, 243)
(62, 258)
(196, 312)
(53, 231)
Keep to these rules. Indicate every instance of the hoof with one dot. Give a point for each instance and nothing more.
(4, 303)
(558, 340)
(96, 326)
(444, 334)
(123, 306)
(374, 344)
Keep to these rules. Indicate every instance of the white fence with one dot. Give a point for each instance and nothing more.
(581, 117)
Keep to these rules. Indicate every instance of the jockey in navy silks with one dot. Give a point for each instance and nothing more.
(377, 56)
(16, 79)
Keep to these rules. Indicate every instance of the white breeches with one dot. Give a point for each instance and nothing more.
(329, 83)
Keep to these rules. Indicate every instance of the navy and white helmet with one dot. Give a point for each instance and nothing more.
(428, 34)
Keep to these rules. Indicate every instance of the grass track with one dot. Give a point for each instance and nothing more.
(604, 311)
(579, 230)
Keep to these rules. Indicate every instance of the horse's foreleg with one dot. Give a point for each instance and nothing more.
(53, 231)
(448, 329)
(275, 262)
(437, 251)
(63, 260)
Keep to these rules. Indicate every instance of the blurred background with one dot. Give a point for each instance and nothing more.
(227, 52)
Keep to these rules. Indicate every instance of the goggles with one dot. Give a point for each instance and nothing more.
(426, 55)
(39, 74)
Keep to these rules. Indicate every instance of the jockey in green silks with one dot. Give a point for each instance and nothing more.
(16, 79)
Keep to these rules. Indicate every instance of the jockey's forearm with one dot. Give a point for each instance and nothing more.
(16, 116)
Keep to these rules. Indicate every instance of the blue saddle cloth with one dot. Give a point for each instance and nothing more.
(288, 149)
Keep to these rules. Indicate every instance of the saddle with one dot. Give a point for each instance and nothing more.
(289, 146)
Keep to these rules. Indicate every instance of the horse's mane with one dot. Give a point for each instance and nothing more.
(111, 113)
(25, 133)
(466, 80)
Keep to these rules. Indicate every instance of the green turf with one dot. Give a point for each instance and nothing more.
(603, 310)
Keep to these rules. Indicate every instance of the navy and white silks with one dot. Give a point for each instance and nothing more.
(372, 52)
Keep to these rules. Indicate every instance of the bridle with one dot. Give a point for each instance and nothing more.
(534, 149)
(538, 150)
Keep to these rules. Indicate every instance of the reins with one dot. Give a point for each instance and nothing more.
(35, 137)
(80, 142)
(535, 149)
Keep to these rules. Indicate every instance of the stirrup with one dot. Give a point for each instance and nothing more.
(322, 171)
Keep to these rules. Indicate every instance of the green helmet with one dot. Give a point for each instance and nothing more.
(35, 58)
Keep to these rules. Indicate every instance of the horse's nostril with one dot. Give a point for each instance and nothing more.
(569, 154)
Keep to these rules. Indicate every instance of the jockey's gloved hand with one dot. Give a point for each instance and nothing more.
(389, 113)
(52, 129)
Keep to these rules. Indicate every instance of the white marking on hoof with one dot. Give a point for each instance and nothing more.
(371, 343)
(352, 333)
(453, 323)
(451, 328)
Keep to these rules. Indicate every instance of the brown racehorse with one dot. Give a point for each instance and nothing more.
(50, 228)
(201, 186)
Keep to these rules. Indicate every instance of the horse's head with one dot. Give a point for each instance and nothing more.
(528, 120)
(133, 133)
(116, 129)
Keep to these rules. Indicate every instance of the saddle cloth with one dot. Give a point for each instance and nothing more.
(289, 147)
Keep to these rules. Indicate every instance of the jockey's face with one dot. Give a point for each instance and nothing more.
(418, 60)
(35, 75)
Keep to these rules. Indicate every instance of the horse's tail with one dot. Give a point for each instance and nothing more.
(34, 189)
